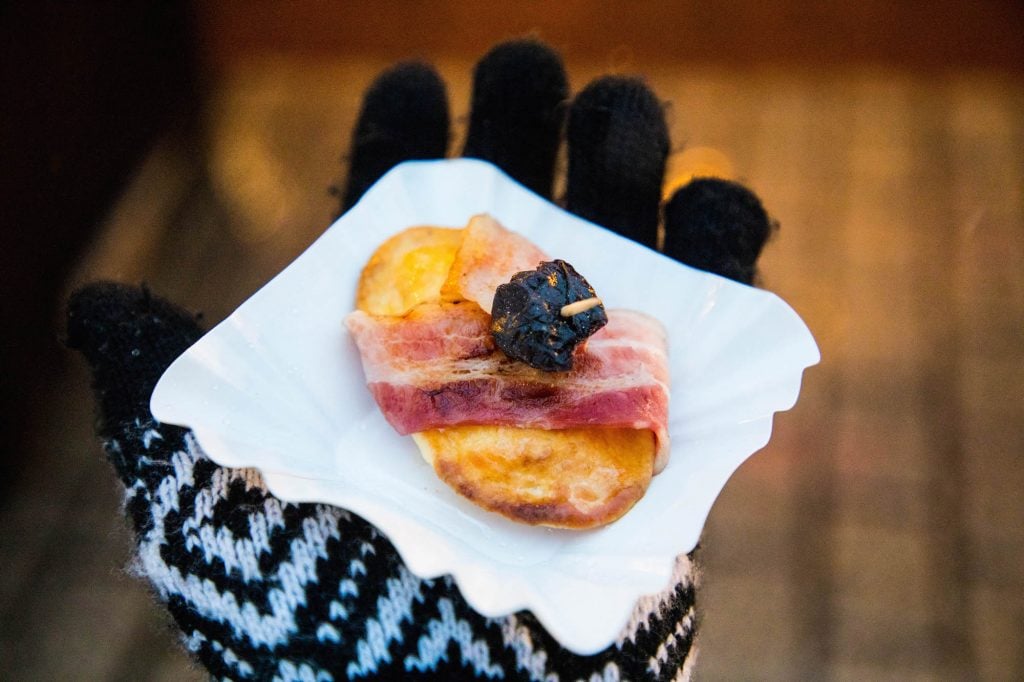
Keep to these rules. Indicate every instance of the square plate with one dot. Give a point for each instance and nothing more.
(279, 386)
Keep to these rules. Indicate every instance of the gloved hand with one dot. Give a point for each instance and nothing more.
(264, 589)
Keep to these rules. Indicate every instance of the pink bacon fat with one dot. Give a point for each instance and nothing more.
(490, 254)
(438, 367)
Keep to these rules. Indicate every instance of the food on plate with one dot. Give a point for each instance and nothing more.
(572, 448)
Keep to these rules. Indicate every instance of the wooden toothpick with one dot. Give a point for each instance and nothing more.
(580, 306)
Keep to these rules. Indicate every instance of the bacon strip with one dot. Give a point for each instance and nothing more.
(438, 367)
(488, 257)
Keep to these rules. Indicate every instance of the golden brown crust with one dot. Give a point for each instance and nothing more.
(573, 478)
(408, 269)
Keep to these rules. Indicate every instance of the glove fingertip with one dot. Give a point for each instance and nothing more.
(519, 91)
(718, 226)
(404, 116)
(618, 146)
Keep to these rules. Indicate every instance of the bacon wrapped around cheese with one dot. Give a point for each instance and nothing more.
(438, 367)
(575, 448)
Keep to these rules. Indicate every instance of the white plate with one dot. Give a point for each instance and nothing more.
(278, 386)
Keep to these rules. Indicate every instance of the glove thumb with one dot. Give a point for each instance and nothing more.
(128, 337)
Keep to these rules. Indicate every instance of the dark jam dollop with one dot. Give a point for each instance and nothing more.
(527, 321)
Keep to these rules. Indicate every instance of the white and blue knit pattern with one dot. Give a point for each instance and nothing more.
(264, 589)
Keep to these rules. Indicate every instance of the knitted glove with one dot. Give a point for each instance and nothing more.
(265, 589)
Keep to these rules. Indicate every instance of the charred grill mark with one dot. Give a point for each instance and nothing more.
(482, 349)
(535, 513)
(455, 395)
(533, 394)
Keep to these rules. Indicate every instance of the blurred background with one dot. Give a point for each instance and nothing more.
(880, 535)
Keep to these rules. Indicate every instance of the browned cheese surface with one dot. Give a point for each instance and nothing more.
(572, 478)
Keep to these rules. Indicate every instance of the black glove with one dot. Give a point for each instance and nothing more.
(264, 589)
